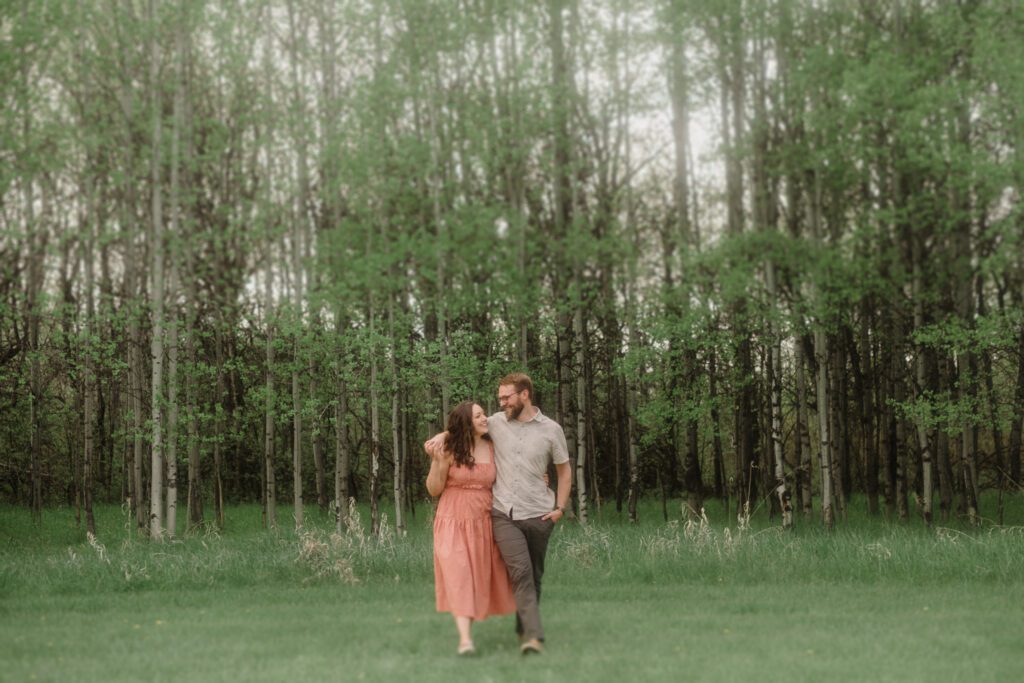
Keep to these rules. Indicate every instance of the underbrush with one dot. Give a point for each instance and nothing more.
(62, 560)
(696, 550)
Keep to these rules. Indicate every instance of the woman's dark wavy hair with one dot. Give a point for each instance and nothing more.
(459, 441)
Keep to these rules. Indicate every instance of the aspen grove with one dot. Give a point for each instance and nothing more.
(767, 252)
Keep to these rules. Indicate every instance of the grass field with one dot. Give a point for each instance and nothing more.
(873, 600)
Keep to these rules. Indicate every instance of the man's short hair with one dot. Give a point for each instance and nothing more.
(520, 380)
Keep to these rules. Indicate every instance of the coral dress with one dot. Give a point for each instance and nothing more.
(470, 578)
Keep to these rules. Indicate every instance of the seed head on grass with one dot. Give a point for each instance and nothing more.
(101, 550)
(699, 532)
(385, 535)
(743, 518)
(950, 536)
(664, 542)
(590, 547)
(326, 558)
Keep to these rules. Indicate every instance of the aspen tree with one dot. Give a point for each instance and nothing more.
(269, 308)
(299, 231)
(917, 295)
(157, 290)
(821, 357)
(36, 240)
(396, 436)
(175, 229)
(90, 374)
(681, 238)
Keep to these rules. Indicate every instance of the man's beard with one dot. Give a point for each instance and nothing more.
(513, 412)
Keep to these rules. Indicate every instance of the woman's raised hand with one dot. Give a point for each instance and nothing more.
(434, 446)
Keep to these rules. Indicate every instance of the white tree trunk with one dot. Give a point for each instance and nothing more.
(156, 296)
(269, 321)
(927, 486)
(775, 358)
(89, 377)
(172, 323)
(298, 229)
(172, 415)
(581, 422)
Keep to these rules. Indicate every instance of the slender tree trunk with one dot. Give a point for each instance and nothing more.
(632, 403)
(195, 497)
(967, 361)
(888, 422)
(581, 423)
(803, 437)
(899, 451)
(156, 294)
(837, 428)
(968, 456)
(781, 492)
(999, 454)
(90, 375)
(683, 237)
(721, 479)
(36, 241)
(269, 419)
(317, 443)
(299, 228)
(374, 428)
(195, 492)
(945, 466)
(824, 437)
(35, 371)
(270, 400)
(269, 319)
(821, 356)
(172, 414)
(172, 323)
(341, 458)
(396, 436)
(560, 95)
(296, 442)
(732, 111)
(920, 381)
(219, 408)
(869, 453)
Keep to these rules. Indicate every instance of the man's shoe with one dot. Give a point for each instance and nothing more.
(531, 647)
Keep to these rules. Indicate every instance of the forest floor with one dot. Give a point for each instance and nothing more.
(873, 600)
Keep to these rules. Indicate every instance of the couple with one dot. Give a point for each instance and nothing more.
(491, 475)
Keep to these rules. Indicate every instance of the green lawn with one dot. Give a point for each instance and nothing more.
(872, 601)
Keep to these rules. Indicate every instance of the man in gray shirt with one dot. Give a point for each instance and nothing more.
(525, 509)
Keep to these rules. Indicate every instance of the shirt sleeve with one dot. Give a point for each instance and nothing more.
(559, 449)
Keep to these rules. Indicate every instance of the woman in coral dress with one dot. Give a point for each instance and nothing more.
(470, 578)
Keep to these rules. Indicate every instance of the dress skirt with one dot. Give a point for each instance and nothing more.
(470, 578)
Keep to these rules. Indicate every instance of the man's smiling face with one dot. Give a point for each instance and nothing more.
(510, 400)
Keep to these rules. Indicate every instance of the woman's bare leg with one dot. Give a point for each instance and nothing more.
(464, 626)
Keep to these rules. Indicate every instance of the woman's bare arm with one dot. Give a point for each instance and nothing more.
(438, 475)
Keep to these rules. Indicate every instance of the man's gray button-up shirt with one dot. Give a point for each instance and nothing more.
(522, 452)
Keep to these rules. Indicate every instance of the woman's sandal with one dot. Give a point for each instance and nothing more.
(467, 650)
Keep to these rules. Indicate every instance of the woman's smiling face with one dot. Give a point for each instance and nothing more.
(479, 420)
